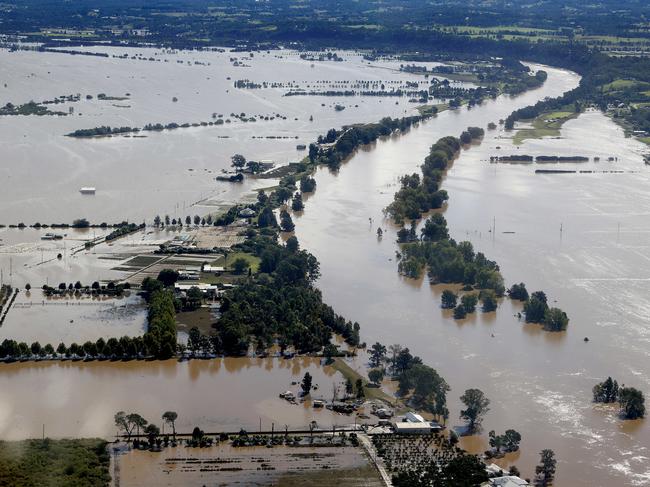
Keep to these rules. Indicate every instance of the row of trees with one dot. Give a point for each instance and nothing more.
(631, 400)
(419, 194)
(168, 221)
(133, 424)
(160, 337)
(111, 288)
(113, 348)
(468, 302)
(341, 144)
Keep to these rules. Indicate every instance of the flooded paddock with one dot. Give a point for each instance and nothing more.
(79, 399)
(582, 238)
(173, 171)
(281, 465)
(34, 317)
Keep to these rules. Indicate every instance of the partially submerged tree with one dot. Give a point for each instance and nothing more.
(477, 405)
(632, 402)
(606, 391)
(545, 471)
(170, 417)
(448, 299)
(306, 383)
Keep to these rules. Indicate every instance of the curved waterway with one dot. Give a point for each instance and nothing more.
(596, 269)
(539, 383)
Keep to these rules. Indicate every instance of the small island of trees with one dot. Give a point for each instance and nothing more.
(631, 400)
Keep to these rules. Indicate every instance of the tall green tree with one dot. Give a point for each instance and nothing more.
(545, 471)
(477, 406)
(170, 418)
(306, 383)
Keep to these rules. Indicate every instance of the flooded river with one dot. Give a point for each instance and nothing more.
(539, 383)
(596, 268)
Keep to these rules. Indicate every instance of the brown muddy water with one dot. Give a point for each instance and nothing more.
(169, 172)
(35, 317)
(539, 383)
(80, 398)
(596, 269)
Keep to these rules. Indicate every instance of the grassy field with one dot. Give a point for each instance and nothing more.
(52, 463)
(426, 109)
(621, 84)
(546, 125)
(200, 318)
(253, 261)
(349, 373)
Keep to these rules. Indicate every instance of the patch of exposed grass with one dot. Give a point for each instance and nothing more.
(545, 125)
(253, 260)
(349, 373)
(81, 462)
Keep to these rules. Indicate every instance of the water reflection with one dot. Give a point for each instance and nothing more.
(80, 398)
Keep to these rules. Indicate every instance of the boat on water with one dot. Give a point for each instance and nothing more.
(51, 236)
(87, 190)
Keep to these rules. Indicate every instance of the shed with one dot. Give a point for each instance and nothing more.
(424, 428)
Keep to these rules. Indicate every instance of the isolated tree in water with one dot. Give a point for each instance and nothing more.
(306, 383)
(606, 391)
(448, 299)
(535, 308)
(170, 417)
(477, 406)
(632, 402)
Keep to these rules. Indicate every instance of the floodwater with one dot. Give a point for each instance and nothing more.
(170, 172)
(539, 383)
(280, 465)
(79, 399)
(73, 319)
(596, 268)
